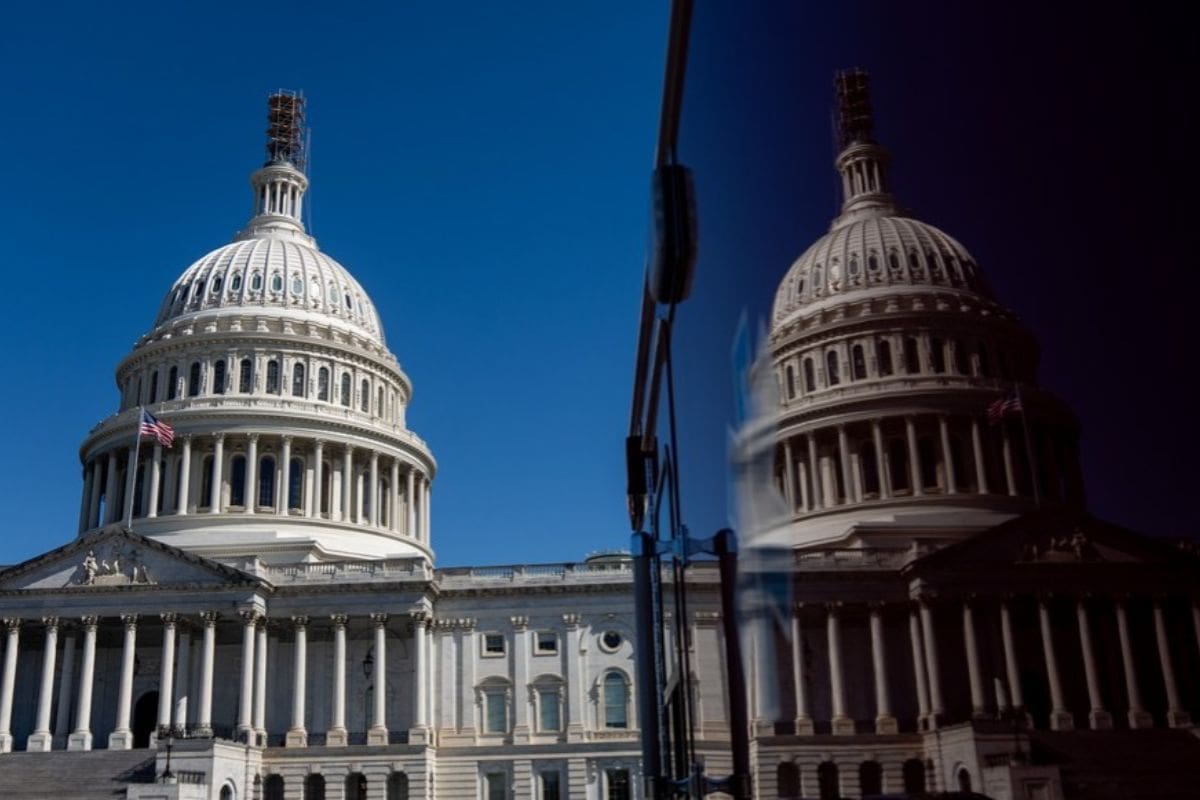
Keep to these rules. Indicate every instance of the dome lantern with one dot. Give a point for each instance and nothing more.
(280, 185)
(863, 164)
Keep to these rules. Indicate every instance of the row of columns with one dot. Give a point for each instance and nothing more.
(355, 495)
(1009, 697)
(173, 711)
(810, 482)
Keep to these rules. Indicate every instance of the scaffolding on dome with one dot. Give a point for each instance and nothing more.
(286, 129)
(854, 120)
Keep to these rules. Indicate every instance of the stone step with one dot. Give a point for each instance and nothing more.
(62, 775)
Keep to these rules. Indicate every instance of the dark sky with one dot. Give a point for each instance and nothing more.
(1054, 141)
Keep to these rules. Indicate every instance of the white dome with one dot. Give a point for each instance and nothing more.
(271, 273)
(879, 252)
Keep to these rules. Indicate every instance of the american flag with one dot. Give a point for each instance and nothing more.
(1002, 407)
(153, 426)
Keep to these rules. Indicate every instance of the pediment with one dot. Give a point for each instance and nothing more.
(117, 557)
(1057, 538)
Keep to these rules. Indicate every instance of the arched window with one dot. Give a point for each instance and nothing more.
(935, 269)
(616, 701)
(831, 368)
(914, 776)
(937, 355)
(914, 264)
(272, 377)
(226, 792)
(237, 481)
(859, 362)
(349, 302)
(256, 281)
(827, 781)
(960, 358)
(964, 780)
(296, 484)
(273, 787)
(153, 388)
(364, 396)
(548, 691)
(297, 285)
(927, 457)
(397, 786)
(883, 353)
(266, 481)
(356, 786)
(853, 269)
(235, 283)
(216, 285)
(323, 384)
(496, 693)
(898, 465)
(912, 356)
(870, 469)
(816, 273)
(810, 378)
(244, 375)
(893, 261)
(873, 263)
(790, 380)
(314, 787)
(298, 388)
(870, 778)
(276, 282)
(194, 379)
(172, 383)
(787, 780)
(346, 389)
(206, 481)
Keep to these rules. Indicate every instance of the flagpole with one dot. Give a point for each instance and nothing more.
(137, 446)
(1033, 470)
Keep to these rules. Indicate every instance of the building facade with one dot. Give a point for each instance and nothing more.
(256, 609)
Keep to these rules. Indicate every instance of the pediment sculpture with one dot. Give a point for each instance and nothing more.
(114, 566)
(1074, 547)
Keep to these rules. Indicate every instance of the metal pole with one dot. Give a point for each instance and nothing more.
(725, 546)
(645, 561)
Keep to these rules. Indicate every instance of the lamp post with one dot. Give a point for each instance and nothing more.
(166, 776)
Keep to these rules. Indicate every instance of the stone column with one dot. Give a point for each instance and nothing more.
(427, 508)
(980, 467)
(1010, 658)
(411, 496)
(121, 737)
(789, 477)
(914, 460)
(1138, 717)
(574, 674)
(378, 733)
(1010, 474)
(881, 461)
(844, 460)
(166, 692)
(804, 723)
(937, 706)
(89, 480)
(842, 724)
(41, 740)
(246, 703)
(111, 511)
(347, 484)
(155, 480)
(130, 483)
(218, 473)
(207, 659)
(66, 690)
(81, 737)
(1098, 718)
(818, 501)
(336, 736)
(318, 477)
(260, 680)
(8, 681)
(974, 672)
(251, 472)
(1060, 718)
(947, 455)
(802, 476)
(183, 674)
(918, 657)
(297, 735)
(884, 721)
(360, 497)
(283, 501)
(373, 517)
(420, 677)
(94, 501)
(394, 498)
(185, 476)
(1177, 717)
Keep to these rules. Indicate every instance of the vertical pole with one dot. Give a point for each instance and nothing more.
(725, 545)
(645, 561)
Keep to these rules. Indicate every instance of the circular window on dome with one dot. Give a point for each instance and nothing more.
(297, 285)
(610, 641)
(235, 282)
(276, 282)
(256, 281)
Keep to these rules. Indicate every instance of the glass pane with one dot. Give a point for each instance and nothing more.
(618, 784)
(549, 706)
(497, 716)
(550, 783)
(496, 789)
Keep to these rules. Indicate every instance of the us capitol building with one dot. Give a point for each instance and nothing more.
(273, 626)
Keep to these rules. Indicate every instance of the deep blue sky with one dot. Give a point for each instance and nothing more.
(483, 171)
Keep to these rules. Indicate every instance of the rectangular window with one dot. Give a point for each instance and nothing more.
(618, 784)
(547, 643)
(496, 712)
(550, 786)
(493, 644)
(496, 785)
(548, 707)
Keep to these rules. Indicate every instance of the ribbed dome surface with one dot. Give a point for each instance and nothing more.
(878, 252)
(274, 275)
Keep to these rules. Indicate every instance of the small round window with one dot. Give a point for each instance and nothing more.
(610, 640)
